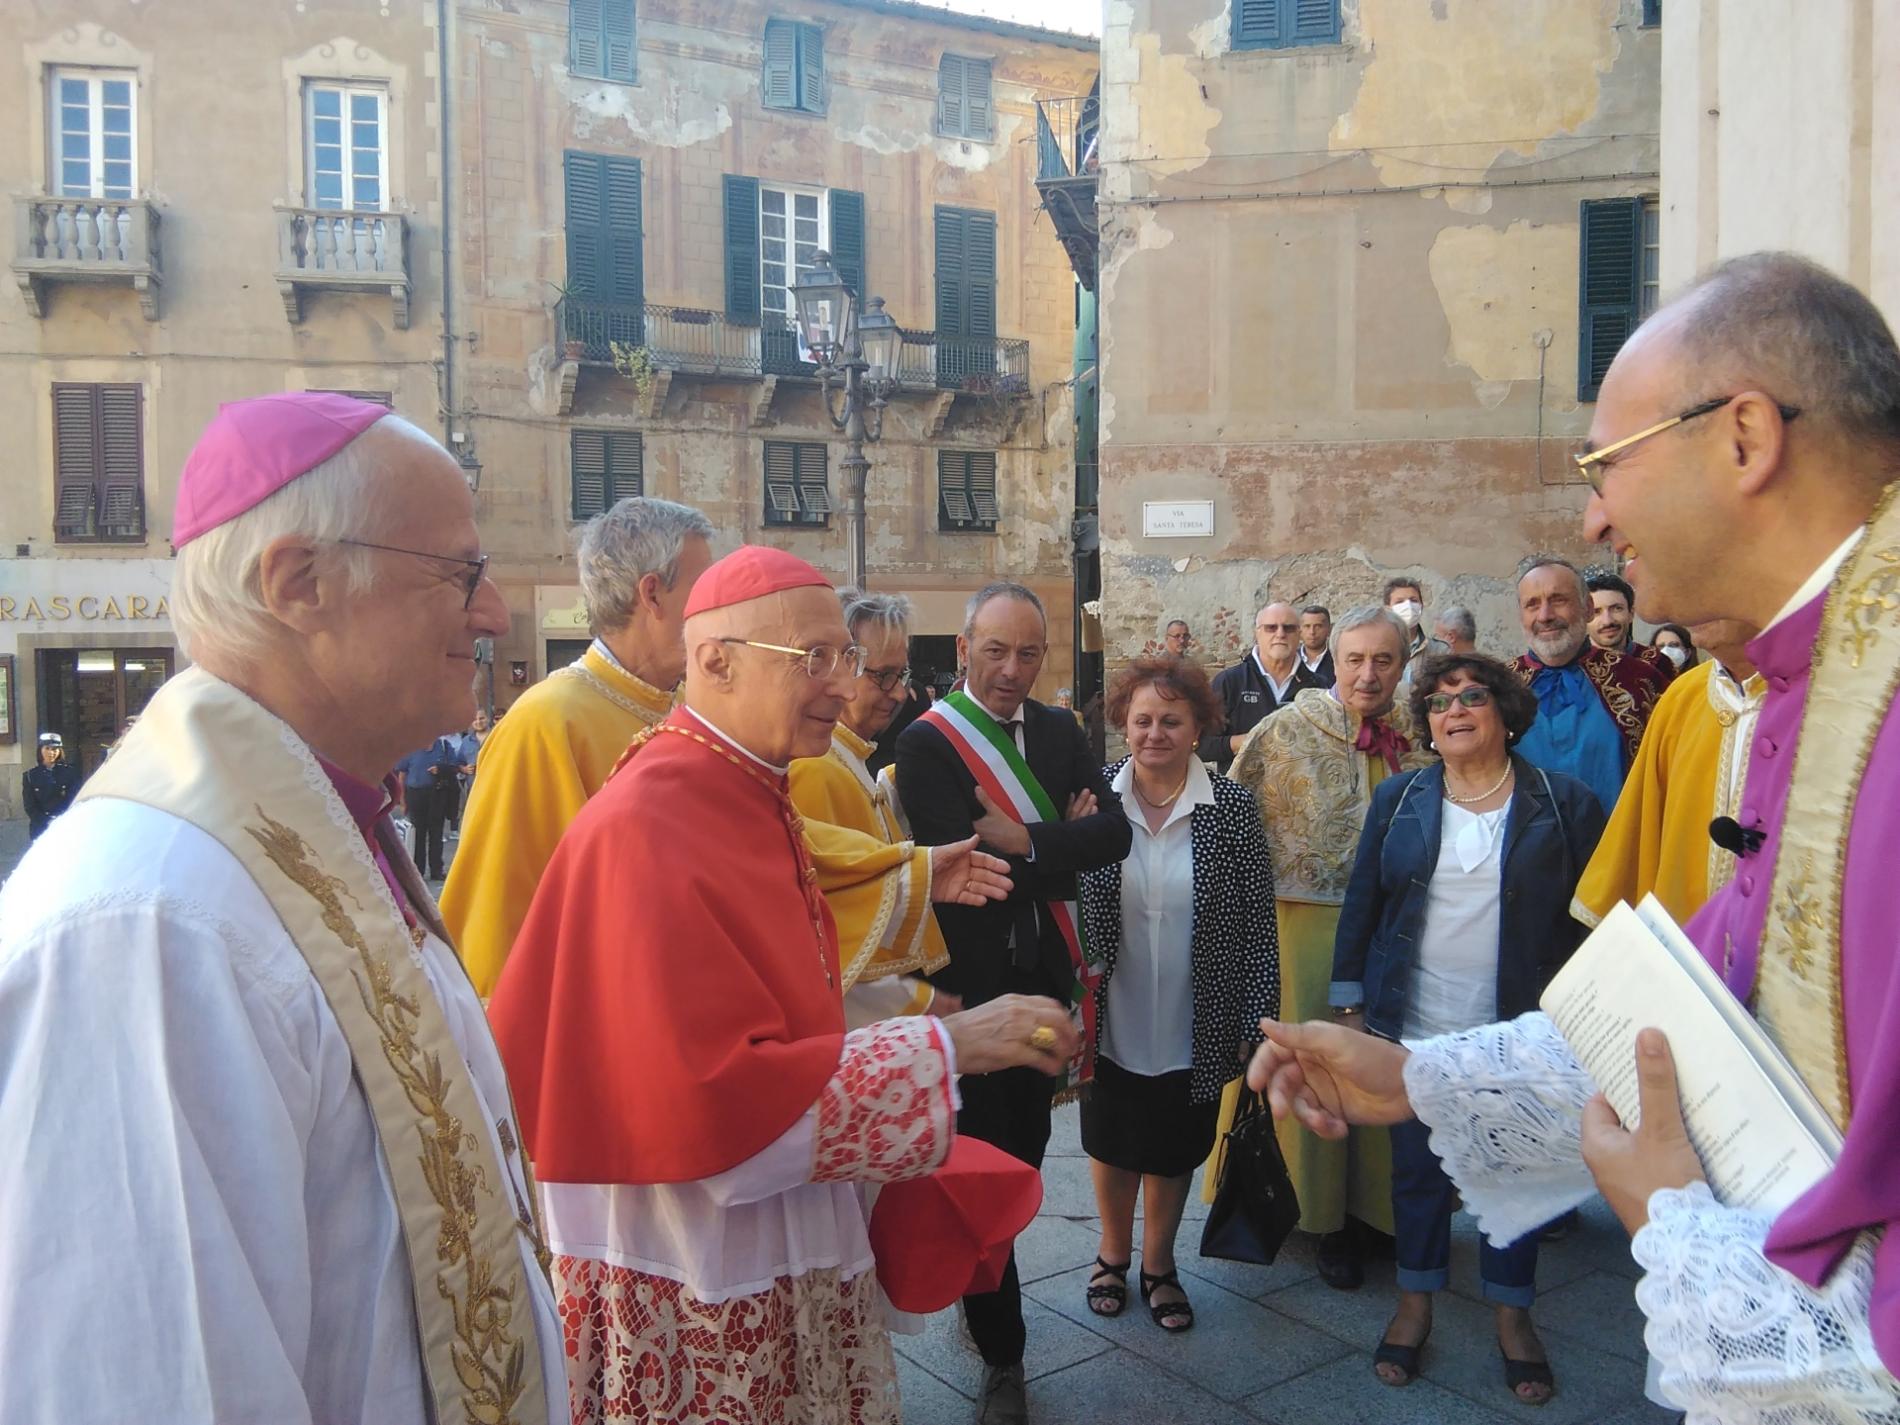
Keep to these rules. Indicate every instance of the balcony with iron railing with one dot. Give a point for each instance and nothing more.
(109, 240)
(696, 341)
(1068, 138)
(342, 250)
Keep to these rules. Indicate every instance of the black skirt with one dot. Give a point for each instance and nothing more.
(1146, 1125)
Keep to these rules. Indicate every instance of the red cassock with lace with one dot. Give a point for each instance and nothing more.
(704, 1128)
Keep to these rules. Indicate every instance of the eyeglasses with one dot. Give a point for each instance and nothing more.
(470, 582)
(1595, 463)
(1464, 697)
(888, 680)
(820, 662)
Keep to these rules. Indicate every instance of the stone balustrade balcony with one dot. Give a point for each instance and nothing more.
(109, 240)
(342, 250)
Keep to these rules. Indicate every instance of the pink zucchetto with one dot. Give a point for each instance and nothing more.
(252, 449)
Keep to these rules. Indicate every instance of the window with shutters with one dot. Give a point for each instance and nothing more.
(797, 483)
(964, 110)
(606, 282)
(1652, 13)
(794, 66)
(966, 295)
(1283, 24)
(604, 467)
(1652, 256)
(98, 462)
(345, 146)
(1611, 279)
(600, 39)
(93, 125)
(966, 490)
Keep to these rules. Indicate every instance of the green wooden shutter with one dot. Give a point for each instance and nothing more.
(625, 278)
(626, 465)
(979, 271)
(587, 472)
(1611, 259)
(1652, 12)
(121, 502)
(847, 238)
(977, 109)
(586, 181)
(617, 40)
(952, 307)
(1314, 21)
(781, 65)
(982, 486)
(950, 118)
(811, 69)
(586, 37)
(813, 466)
(742, 250)
(1257, 23)
(781, 482)
(75, 459)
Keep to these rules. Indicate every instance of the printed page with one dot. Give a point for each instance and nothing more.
(1755, 1150)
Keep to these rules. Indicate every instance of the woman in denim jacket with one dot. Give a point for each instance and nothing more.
(1457, 915)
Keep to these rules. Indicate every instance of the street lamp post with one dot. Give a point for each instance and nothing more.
(856, 352)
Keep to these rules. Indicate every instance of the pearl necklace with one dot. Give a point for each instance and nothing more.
(1488, 791)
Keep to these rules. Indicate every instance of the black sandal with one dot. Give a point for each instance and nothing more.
(1406, 1358)
(1181, 1311)
(1112, 1293)
(1518, 1373)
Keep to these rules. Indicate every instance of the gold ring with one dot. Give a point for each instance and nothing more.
(1043, 1038)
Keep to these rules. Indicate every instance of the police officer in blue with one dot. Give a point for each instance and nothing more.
(50, 786)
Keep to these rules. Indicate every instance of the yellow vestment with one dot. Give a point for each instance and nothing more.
(886, 933)
(1687, 771)
(539, 766)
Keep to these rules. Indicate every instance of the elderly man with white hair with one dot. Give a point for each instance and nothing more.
(638, 563)
(259, 1138)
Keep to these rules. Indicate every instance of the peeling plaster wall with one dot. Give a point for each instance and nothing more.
(1339, 299)
(695, 115)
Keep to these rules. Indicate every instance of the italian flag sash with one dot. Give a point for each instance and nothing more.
(991, 756)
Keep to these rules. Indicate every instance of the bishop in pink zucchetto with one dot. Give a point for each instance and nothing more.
(233, 1074)
(255, 447)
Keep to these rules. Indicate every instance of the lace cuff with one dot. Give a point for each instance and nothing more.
(887, 1114)
(1504, 1103)
(1740, 1340)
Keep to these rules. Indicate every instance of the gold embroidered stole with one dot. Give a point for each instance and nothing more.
(1856, 674)
(206, 753)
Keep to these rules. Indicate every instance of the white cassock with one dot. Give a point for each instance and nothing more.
(196, 1222)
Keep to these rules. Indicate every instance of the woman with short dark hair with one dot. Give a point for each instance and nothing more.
(1457, 915)
(1190, 964)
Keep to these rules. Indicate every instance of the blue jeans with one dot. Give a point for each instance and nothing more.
(1422, 1197)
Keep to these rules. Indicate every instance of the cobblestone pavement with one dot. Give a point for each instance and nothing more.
(1273, 1343)
(1276, 1344)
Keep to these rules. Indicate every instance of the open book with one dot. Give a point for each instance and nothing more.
(1763, 1138)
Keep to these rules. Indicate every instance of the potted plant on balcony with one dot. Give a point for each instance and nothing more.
(573, 348)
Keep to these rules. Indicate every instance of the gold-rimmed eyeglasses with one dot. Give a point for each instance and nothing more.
(888, 680)
(470, 581)
(820, 662)
(1595, 463)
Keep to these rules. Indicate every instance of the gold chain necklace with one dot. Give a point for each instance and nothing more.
(1166, 801)
(1481, 795)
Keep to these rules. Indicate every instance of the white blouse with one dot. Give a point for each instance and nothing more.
(1150, 1013)
(1455, 983)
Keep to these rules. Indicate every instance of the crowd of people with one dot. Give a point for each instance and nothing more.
(733, 1044)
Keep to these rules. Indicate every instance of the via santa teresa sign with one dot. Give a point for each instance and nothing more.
(1177, 519)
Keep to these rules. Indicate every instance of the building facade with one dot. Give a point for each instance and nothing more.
(1361, 264)
(637, 190)
(186, 233)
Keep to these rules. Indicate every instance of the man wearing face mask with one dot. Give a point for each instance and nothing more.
(1613, 624)
(1406, 598)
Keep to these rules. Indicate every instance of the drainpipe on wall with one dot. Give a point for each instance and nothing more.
(444, 17)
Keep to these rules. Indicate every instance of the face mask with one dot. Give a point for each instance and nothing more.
(1409, 610)
(1676, 655)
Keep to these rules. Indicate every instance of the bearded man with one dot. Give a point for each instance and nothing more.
(260, 1139)
(1592, 704)
(637, 563)
(1312, 770)
(1745, 448)
(701, 1118)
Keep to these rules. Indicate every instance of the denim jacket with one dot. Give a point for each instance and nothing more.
(1549, 834)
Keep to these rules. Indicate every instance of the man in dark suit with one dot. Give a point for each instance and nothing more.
(1012, 945)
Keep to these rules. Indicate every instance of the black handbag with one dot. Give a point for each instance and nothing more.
(1254, 1203)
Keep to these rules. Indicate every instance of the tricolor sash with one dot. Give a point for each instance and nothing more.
(990, 755)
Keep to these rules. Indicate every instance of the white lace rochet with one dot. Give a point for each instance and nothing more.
(1739, 1341)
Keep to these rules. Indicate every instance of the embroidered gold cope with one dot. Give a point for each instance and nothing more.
(212, 757)
(1856, 675)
